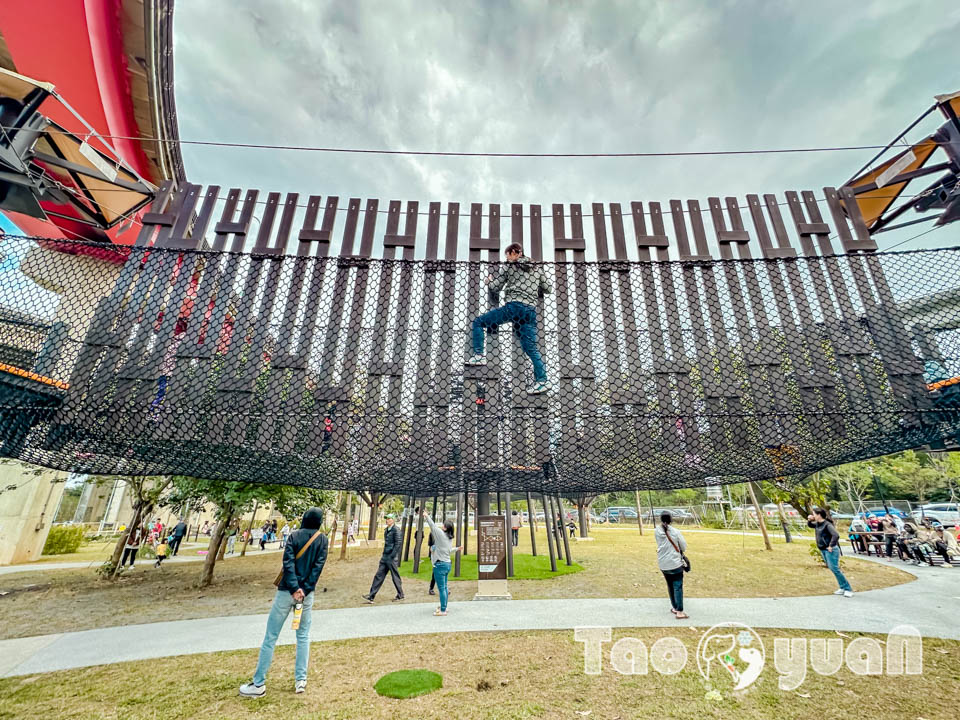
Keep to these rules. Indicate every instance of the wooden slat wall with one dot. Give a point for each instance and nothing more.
(651, 359)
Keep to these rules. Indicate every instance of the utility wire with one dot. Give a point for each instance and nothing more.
(445, 153)
(904, 242)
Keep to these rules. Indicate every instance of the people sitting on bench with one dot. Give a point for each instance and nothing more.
(858, 536)
(928, 534)
(946, 543)
(910, 545)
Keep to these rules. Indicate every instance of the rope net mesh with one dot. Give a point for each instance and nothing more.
(350, 370)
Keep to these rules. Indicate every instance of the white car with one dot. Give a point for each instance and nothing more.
(945, 513)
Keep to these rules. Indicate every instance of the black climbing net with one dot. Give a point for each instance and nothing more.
(337, 372)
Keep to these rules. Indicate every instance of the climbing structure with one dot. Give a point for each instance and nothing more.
(323, 343)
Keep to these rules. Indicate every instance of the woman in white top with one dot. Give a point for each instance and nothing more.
(670, 549)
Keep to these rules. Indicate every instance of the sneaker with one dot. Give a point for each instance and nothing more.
(300, 686)
(432, 592)
(252, 691)
(440, 613)
(368, 599)
(848, 593)
(477, 360)
(538, 388)
(838, 591)
(398, 598)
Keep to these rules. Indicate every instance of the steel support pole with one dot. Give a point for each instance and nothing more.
(456, 560)
(563, 531)
(531, 521)
(510, 541)
(548, 524)
(418, 541)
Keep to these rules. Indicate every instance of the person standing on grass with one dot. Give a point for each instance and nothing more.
(440, 554)
(130, 548)
(389, 562)
(828, 542)
(284, 534)
(303, 560)
(515, 527)
(179, 532)
(523, 283)
(670, 560)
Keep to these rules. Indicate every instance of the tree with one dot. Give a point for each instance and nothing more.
(145, 494)
(233, 499)
(802, 495)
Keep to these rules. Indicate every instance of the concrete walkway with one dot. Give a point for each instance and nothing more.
(929, 604)
(144, 562)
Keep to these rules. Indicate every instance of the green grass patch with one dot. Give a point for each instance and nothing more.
(525, 567)
(408, 683)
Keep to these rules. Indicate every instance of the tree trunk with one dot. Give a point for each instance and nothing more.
(212, 549)
(223, 542)
(253, 517)
(582, 513)
(374, 512)
(761, 520)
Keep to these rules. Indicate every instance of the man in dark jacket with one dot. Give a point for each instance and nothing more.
(389, 562)
(179, 532)
(828, 542)
(301, 571)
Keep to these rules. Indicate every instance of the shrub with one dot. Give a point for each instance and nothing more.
(815, 552)
(63, 539)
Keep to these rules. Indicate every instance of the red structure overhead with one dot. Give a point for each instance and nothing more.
(111, 60)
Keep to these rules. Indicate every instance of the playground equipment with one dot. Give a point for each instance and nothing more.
(310, 361)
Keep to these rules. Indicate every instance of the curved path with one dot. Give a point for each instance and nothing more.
(929, 604)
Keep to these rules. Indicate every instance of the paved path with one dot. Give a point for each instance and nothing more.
(929, 604)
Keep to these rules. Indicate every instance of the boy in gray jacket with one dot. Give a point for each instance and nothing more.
(524, 283)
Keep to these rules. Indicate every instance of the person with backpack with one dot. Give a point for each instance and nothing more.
(303, 560)
(672, 562)
(523, 282)
(828, 542)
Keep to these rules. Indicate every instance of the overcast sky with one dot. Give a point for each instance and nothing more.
(555, 77)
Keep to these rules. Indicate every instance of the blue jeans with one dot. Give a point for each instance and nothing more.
(524, 319)
(832, 559)
(674, 580)
(440, 572)
(282, 605)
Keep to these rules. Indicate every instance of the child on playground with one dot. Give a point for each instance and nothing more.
(163, 549)
(523, 283)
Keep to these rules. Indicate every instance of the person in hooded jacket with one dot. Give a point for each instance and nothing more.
(524, 283)
(301, 571)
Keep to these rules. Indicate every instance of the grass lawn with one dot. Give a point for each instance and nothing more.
(485, 675)
(619, 563)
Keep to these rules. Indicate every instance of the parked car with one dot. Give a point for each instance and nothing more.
(620, 514)
(947, 514)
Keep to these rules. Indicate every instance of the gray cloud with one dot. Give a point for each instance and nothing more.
(553, 77)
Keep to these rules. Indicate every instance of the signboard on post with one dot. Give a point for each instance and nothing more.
(492, 558)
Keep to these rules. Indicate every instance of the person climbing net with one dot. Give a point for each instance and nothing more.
(523, 283)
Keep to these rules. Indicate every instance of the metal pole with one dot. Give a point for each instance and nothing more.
(419, 535)
(466, 522)
(531, 522)
(876, 484)
(636, 495)
(563, 531)
(409, 534)
(558, 528)
(510, 543)
(548, 523)
(456, 561)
